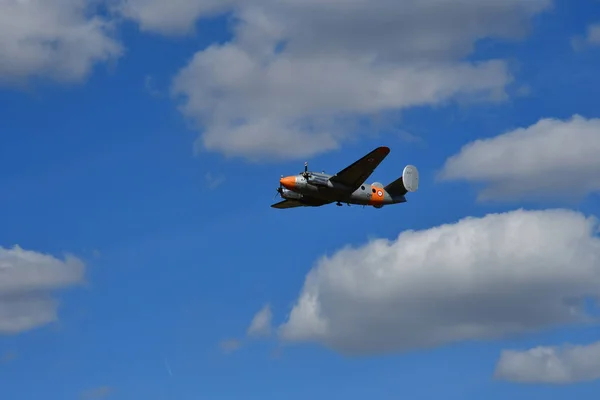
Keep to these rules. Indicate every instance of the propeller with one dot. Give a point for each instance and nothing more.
(305, 173)
(279, 190)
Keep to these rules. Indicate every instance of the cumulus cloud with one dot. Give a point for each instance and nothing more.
(299, 74)
(57, 39)
(551, 157)
(477, 279)
(261, 323)
(27, 280)
(552, 365)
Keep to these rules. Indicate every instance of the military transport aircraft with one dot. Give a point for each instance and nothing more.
(313, 189)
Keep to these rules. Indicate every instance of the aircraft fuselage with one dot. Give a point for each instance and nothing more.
(317, 186)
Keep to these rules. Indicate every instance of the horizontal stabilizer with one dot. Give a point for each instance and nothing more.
(408, 182)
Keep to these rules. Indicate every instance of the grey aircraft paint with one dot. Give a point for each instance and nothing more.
(313, 189)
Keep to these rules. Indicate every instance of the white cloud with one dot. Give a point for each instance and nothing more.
(477, 279)
(261, 323)
(57, 39)
(27, 280)
(553, 365)
(340, 61)
(550, 157)
(173, 17)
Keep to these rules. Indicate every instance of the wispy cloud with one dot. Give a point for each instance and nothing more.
(150, 87)
(261, 323)
(100, 392)
(591, 38)
(214, 181)
(8, 357)
(228, 346)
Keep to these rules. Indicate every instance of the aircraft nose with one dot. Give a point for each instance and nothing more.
(288, 182)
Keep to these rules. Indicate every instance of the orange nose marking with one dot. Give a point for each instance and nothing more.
(288, 182)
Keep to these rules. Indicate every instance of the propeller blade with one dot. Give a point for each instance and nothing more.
(278, 191)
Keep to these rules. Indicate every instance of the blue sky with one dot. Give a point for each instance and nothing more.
(155, 167)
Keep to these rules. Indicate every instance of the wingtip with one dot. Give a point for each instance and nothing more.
(383, 149)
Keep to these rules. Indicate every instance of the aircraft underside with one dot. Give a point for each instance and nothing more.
(327, 196)
(312, 200)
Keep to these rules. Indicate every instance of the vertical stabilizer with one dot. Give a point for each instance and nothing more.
(408, 182)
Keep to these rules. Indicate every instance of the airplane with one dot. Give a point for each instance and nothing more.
(313, 189)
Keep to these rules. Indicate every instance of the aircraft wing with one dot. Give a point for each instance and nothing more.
(287, 204)
(358, 172)
(290, 203)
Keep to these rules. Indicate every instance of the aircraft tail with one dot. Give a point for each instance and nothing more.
(408, 182)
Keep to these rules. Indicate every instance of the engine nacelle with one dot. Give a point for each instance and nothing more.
(318, 180)
(290, 194)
